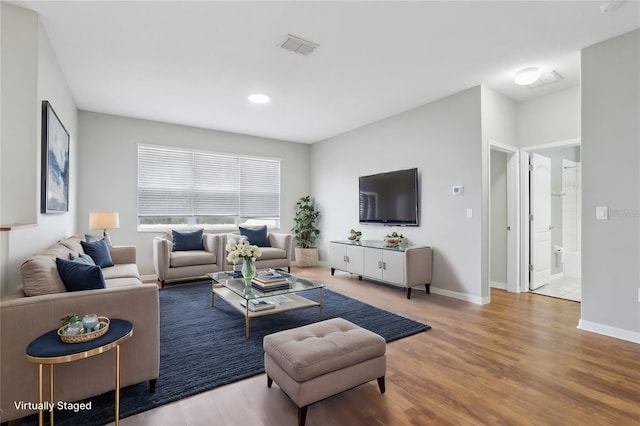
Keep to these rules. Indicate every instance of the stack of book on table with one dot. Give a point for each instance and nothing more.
(269, 281)
(259, 304)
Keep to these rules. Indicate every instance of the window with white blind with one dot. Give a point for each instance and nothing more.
(185, 187)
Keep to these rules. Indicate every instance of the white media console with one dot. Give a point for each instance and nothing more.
(405, 266)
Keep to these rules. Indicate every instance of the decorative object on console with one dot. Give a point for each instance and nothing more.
(54, 197)
(104, 221)
(247, 252)
(84, 335)
(305, 232)
(354, 235)
(393, 239)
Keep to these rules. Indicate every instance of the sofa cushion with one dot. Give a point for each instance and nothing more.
(82, 258)
(99, 252)
(40, 276)
(178, 259)
(270, 253)
(80, 276)
(187, 240)
(257, 236)
(126, 270)
(73, 244)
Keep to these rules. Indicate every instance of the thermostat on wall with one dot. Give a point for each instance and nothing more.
(457, 190)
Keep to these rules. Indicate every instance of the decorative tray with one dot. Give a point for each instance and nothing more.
(84, 337)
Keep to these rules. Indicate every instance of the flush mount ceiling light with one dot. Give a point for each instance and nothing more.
(259, 98)
(527, 76)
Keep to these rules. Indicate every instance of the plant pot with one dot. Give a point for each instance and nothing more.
(306, 257)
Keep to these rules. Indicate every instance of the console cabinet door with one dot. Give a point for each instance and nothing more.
(393, 267)
(355, 260)
(373, 263)
(338, 256)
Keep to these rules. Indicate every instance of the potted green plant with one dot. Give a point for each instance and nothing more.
(305, 232)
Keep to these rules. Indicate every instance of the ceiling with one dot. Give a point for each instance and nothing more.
(195, 63)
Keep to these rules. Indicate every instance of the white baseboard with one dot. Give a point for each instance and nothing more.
(557, 276)
(607, 330)
(497, 284)
(461, 296)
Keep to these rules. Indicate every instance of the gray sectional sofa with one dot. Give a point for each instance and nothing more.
(23, 318)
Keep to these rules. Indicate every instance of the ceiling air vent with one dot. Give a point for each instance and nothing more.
(298, 45)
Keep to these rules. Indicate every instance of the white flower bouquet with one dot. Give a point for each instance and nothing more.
(241, 250)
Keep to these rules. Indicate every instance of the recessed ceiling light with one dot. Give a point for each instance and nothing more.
(527, 76)
(259, 98)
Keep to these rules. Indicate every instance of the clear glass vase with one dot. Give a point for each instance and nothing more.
(248, 272)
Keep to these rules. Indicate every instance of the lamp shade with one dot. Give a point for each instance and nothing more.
(104, 220)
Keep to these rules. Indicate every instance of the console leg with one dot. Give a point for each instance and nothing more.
(269, 381)
(302, 415)
(408, 292)
(381, 384)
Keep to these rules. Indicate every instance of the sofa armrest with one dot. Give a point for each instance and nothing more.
(161, 251)
(282, 241)
(123, 254)
(215, 243)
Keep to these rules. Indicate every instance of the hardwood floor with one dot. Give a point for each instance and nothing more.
(519, 360)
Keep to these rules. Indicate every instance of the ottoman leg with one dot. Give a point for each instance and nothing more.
(269, 381)
(302, 415)
(381, 384)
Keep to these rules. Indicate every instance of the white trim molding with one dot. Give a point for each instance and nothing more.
(498, 284)
(478, 300)
(607, 330)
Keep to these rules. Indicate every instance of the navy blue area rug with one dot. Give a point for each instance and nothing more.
(202, 347)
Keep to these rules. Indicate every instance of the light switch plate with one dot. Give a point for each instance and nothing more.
(602, 213)
(469, 213)
(457, 190)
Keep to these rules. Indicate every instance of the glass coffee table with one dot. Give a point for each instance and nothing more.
(231, 289)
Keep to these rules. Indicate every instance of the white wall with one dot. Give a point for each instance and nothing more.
(443, 140)
(108, 166)
(499, 125)
(31, 67)
(610, 177)
(551, 118)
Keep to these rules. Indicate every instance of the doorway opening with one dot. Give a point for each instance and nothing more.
(555, 206)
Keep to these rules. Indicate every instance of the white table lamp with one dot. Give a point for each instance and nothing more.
(104, 221)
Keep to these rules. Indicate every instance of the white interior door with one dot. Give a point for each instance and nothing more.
(540, 194)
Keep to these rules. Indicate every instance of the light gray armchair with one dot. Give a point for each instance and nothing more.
(279, 255)
(180, 265)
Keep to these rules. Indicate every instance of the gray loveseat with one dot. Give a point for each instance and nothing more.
(23, 318)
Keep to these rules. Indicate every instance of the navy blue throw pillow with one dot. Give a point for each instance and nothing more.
(256, 236)
(187, 240)
(99, 252)
(78, 276)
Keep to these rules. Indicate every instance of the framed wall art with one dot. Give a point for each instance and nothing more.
(55, 163)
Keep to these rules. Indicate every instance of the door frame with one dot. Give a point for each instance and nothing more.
(525, 205)
(513, 214)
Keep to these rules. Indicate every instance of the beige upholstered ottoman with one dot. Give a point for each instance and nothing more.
(319, 360)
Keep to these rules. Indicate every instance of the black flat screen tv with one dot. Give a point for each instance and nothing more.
(389, 198)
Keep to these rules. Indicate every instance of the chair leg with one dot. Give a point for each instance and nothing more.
(302, 415)
(428, 287)
(381, 384)
(289, 269)
(408, 292)
(269, 381)
(152, 385)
